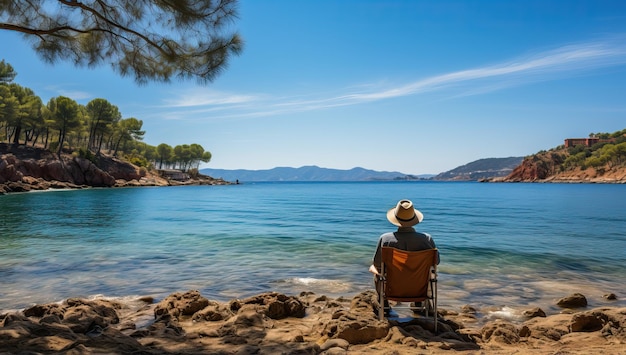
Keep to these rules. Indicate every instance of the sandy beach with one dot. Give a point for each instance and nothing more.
(274, 323)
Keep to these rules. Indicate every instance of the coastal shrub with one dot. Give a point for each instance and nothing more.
(594, 162)
(577, 149)
(610, 154)
(87, 154)
(139, 161)
(575, 160)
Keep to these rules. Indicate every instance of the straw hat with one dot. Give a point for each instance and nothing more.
(404, 215)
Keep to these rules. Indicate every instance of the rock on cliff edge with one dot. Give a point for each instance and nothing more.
(533, 169)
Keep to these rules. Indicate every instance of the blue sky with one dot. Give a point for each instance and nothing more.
(412, 86)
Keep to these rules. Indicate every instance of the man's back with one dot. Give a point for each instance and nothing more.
(405, 238)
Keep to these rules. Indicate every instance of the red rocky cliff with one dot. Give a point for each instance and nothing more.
(27, 168)
(532, 169)
(546, 167)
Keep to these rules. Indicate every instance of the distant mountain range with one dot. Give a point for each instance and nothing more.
(481, 169)
(309, 173)
(477, 170)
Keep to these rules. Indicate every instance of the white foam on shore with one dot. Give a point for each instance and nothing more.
(506, 313)
(131, 301)
(327, 285)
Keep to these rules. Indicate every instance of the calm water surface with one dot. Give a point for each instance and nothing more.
(502, 245)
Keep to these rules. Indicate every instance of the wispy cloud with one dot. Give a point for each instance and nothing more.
(208, 98)
(566, 61)
(539, 67)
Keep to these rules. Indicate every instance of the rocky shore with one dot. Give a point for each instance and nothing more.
(25, 169)
(273, 323)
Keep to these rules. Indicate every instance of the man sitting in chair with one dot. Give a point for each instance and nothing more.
(404, 216)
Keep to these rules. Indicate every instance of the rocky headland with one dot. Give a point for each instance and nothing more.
(24, 168)
(549, 167)
(530, 171)
(274, 323)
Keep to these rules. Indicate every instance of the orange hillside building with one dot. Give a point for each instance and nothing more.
(588, 142)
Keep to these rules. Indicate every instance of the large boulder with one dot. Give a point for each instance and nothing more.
(575, 300)
(181, 304)
(83, 315)
(274, 305)
(75, 326)
(8, 170)
(87, 173)
(359, 325)
(55, 170)
(119, 170)
(500, 332)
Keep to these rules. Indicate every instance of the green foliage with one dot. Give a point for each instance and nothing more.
(557, 158)
(53, 146)
(7, 73)
(20, 108)
(102, 116)
(9, 104)
(599, 135)
(65, 117)
(87, 129)
(578, 149)
(139, 161)
(164, 153)
(87, 154)
(609, 154)
(153, 40)
(575, 160)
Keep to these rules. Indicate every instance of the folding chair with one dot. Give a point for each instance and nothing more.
(408, 276)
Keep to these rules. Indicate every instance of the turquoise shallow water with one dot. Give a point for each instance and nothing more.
(501, 244)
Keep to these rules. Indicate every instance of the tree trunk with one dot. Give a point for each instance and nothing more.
(36, 136)
(117, 146)
(61, 140)
(100, 140)
(16, 136)
(45, 143)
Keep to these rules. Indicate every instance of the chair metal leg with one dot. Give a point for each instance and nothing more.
(381, 300)
(435, 315)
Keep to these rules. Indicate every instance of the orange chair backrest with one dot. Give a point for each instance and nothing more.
(407, 273)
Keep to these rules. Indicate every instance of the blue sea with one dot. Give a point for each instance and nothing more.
(502, 245)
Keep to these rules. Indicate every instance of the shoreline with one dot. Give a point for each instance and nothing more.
(40, 185)
(188, 323)
(37, 184)
(24, 169)
(492, 294)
